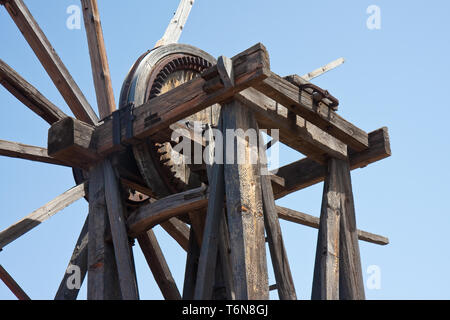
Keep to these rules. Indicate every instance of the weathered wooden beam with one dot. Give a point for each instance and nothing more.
(301, 103)
(351, 285)
(77, 260)
(40, 215)
(244, 208)
(328, 67)
(306, 172)
(27, 152)
(158, 265)
(70, 140)
(152, 214)
(50, 61)
(117, 222)
(177, 23)
(313, 222)
(99, 60)
(279, 257)
(29, 95)
(178, 230)
(209, 249)
(250, 67)
(294, 131)
(12, 285)
(103, 280)
(190, 274)
(326, 267)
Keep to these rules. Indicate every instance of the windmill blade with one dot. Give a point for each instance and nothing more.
(42, 214)
(50, 61)
(27, 152)
(176, 25)
(29, 95)
(318, 72)
(99, 60)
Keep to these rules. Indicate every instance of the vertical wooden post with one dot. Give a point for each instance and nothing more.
(190, 274)
(244, 207)
(326, 268)
(351, 285)
(103, 280)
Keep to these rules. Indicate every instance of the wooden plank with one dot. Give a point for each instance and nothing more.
(27, 152)
(12, 285)
(190, 274)
(149, 215)
(328, 67)
(351, 285)
(117, 219)
(294, 131)
(279, 257)
(176, 25)
(326, 267)
(301, 103)
(78, 259)
(306, 172)
(154, 116)
(103, 281)
(313, 222)
(209, 249)
(42, 214)
(158, 265)
(29, 95)
(50, 61)
(225, 258)
(99, 60)
(245, 212)
(178, 230)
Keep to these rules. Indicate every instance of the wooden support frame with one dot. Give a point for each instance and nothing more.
(12, 285)
(50, 61)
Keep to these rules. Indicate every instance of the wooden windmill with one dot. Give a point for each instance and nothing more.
(221, 214)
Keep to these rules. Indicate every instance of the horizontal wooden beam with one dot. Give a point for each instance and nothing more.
(313, 222)
(50, 61)
(12, 285)
(29, 95)
(151, 214)
(306, 172)
(153, 117)
(301, 103)
(40, 215)
(27, 152)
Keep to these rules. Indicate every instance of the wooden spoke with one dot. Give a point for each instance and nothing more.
(176, 25)
(78, 260)
(328, 67)
(157, 263)
(178, 230)
(27, 152)
(117, 214)
(42, 214)
(99, 60)
(12, 285)
(29, 95)
(50, 61)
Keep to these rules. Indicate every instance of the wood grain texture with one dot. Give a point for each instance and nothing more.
(177, 23)
(42, 214)
(103, 280)
(117, 222)
(99, 60)
(326, 267)
(158, 265)
(320, 71)
(301, 103)
(51, 61)
(29, 95)
(79, 259)
(27, 152)
(245, 211)
(12, 285)
(279, 257)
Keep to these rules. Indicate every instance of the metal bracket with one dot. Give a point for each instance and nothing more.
(319, 94)
(123, 118)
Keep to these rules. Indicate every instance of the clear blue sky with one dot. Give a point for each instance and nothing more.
(396, 76)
